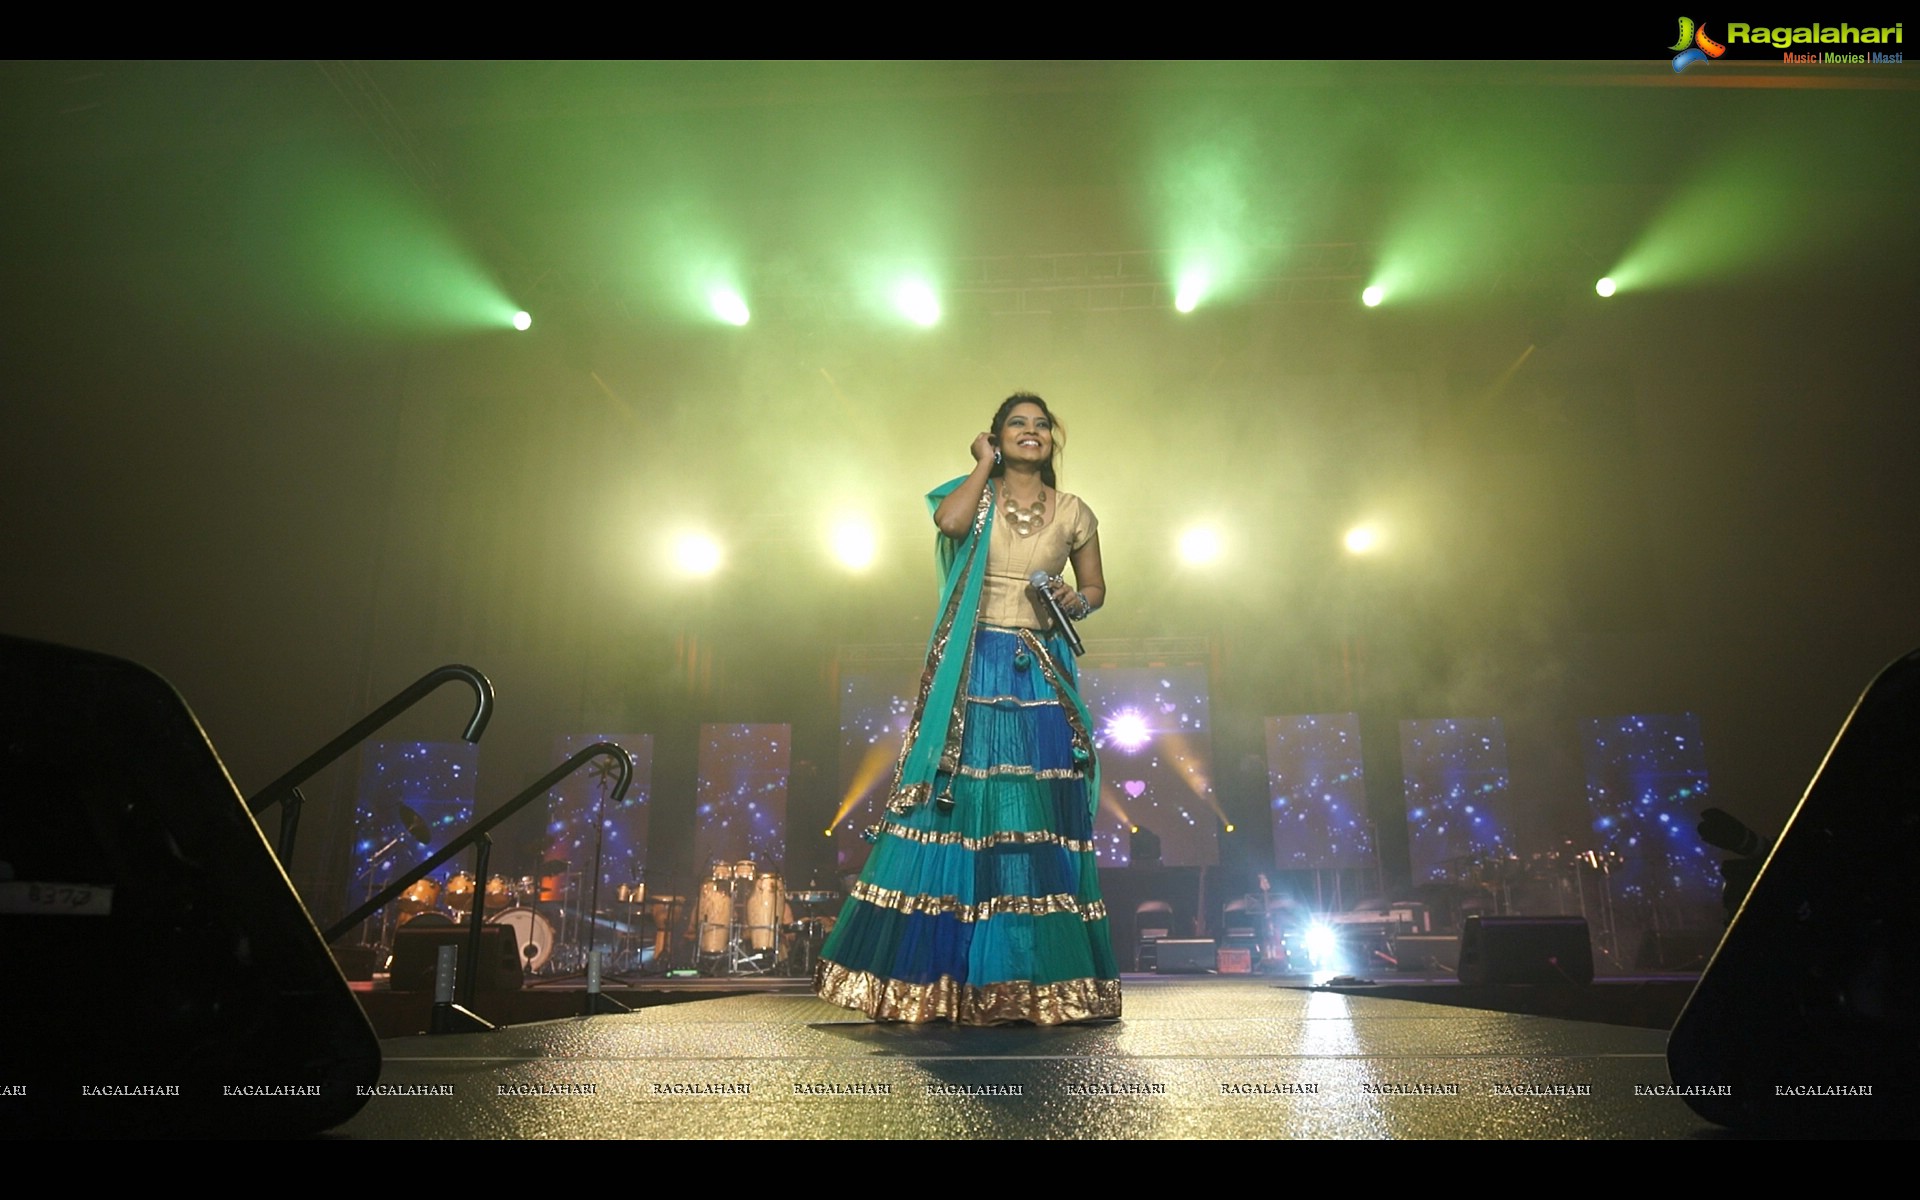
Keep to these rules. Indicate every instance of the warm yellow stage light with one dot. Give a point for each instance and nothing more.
(1199, 545)
(1362, 539)
(854, 545)
(696, 554)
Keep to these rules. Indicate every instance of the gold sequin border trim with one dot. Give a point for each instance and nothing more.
(903, 798)
(1082, 736)
(1026, 906)
(1014, 701)
(957, 719)
(946, 999)
(1006, 769)
(1010, 837)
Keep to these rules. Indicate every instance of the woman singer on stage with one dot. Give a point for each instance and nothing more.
(981, 901)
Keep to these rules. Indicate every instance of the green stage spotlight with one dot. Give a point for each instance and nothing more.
(729, 306)
(1373, 295)
(1191, 290)
(523, 320)
(917, 303)
(1605, 287)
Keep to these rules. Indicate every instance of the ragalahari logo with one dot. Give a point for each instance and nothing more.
(1694, 45)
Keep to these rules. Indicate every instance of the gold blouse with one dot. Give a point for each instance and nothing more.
(1006, 598)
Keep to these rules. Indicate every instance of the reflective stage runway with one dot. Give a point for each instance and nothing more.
(1192, 1058)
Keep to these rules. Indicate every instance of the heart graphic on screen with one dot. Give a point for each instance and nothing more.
(1135, 787)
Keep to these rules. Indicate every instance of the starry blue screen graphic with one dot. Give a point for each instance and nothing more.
(1318, 791)
(435, 780)
(875, 709)
(1156, 762)
(1646, 787)
(740, 810)
(573, 805)
(1455, 773)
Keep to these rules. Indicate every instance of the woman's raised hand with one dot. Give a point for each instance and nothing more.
(983, 448)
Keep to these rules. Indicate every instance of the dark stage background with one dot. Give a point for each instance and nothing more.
(261, 435)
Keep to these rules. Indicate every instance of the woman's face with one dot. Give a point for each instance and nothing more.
(1026, 436)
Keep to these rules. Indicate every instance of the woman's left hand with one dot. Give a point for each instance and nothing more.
(1071, 602)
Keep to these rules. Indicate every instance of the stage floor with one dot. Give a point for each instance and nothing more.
(1192, 1058)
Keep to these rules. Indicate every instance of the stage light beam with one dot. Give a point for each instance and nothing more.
(523, 320)
(1373, 295)
(1605, 287)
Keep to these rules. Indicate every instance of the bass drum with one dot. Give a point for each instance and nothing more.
(533, 933)
(764, 906)
(715, 916)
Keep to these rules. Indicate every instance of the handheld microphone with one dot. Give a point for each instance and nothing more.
(1040, 580)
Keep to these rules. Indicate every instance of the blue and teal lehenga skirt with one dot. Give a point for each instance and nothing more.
(988, 910)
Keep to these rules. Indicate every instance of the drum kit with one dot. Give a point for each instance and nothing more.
(744, 922)
(519, 903)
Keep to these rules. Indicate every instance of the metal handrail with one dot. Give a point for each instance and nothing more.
(287, 788)
(474, 834)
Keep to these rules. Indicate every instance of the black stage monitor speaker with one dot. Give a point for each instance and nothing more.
(162, 975)
(1547, 951)
(1427, 952)
(416, 952)
(1807, 1020)
(1185, 956)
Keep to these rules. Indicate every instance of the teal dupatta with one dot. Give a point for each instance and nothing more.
(931, 757)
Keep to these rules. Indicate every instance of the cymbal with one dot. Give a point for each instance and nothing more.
(416, 825)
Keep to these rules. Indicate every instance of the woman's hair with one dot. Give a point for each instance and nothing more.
(1059, 433)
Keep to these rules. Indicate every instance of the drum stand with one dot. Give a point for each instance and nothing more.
(744, 961)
